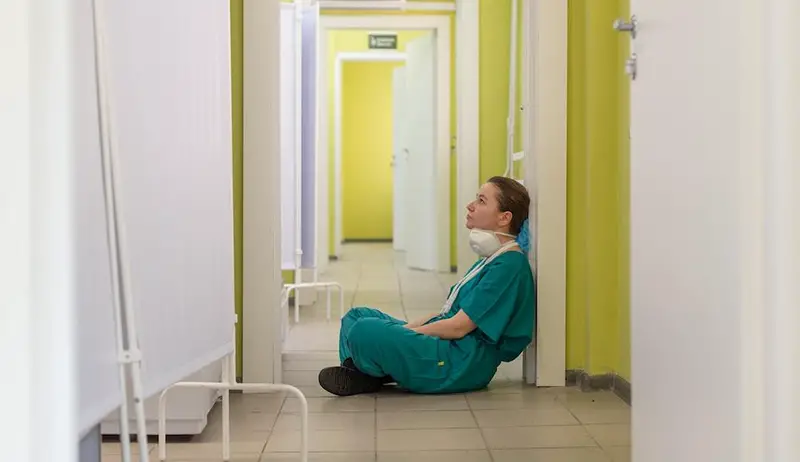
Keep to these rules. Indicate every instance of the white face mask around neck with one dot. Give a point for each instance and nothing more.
(486, 243)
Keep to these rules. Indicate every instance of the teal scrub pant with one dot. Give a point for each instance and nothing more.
(381, 346)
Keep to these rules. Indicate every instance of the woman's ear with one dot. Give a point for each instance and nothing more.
(505, 219)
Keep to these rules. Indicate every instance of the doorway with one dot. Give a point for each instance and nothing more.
(365, 134)
(431, 202)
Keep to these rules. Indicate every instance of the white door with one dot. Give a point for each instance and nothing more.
(399, 158)
(421, 200)
(689, 126)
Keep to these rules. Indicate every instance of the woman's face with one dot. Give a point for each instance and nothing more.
(484, 212)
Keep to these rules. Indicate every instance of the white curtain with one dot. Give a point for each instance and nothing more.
(170, 81)
(290, 151)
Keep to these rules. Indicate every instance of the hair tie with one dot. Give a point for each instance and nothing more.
(524, 237)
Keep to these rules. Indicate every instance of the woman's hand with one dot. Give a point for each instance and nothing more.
(448, 329)
(419, 322)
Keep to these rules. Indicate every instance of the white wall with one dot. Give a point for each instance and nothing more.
(36, 305)
(15, 436)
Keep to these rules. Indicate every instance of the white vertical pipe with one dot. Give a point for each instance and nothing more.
(111, 230)
(512, 91)
(130, 355)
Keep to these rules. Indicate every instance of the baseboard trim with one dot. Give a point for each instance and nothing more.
(611, 381)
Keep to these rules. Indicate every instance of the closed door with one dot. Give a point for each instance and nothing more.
(399, 157)
(367, 150)
(420, 198)
(686, 267)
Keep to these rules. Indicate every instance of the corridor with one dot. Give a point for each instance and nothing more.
(509, 422)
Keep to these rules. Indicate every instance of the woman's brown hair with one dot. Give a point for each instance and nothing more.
(512, 197)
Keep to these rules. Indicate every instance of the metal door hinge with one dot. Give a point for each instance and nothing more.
(621, 26)
(631, 66)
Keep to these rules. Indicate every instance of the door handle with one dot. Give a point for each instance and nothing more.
(621, 26)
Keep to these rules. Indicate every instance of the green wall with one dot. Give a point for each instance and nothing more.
(495, 48)
(237, 85)
(598, 306)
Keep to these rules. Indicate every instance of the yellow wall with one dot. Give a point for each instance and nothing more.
(237, 85)
(367, 145)
(495, 48)
(598, 308)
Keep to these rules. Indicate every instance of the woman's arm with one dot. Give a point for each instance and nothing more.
(420, 322)
(448, 329)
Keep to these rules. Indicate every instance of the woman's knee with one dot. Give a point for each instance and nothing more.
(366, 331)
(352, 315)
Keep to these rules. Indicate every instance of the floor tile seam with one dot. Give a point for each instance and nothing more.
(425, 428)
(495, 427)
(375, 423)
(538, 448)
(272, 429)
(400, 291)
(480, 430)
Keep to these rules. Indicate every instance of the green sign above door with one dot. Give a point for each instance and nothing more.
(382, 41)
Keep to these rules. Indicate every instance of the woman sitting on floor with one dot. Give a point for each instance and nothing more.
(488, 317)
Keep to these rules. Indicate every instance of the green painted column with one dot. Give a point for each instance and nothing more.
(603, 151)
(237, 84)
(624, 193)
(577, 231)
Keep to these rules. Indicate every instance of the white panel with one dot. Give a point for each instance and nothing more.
(399, 157)
(422, 167)
(98, 367)
(467, 78)
(322, 165)
(261, 279)
(172, 118)
(17, 435)
(544, 132)
(289, 148)
(52, 310)
(686, 212)
(310, 36)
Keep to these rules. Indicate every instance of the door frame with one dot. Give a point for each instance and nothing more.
(544, 132)
(440, 24)
(341, 58)
(468, 125)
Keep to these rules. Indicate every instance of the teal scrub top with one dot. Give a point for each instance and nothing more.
(501, 301)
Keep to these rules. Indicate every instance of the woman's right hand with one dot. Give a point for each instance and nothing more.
(420, 322)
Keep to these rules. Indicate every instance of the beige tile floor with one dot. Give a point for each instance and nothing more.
(509, 422)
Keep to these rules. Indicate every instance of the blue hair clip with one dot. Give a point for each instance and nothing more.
(524, 237)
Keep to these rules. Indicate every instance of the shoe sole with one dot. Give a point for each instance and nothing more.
(341, 381)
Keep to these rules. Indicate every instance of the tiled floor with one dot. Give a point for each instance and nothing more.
(509, 422)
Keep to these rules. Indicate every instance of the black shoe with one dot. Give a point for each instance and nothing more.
(348, 363)
(346, 381)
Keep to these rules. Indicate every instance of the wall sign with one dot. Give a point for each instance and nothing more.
(382, 41)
